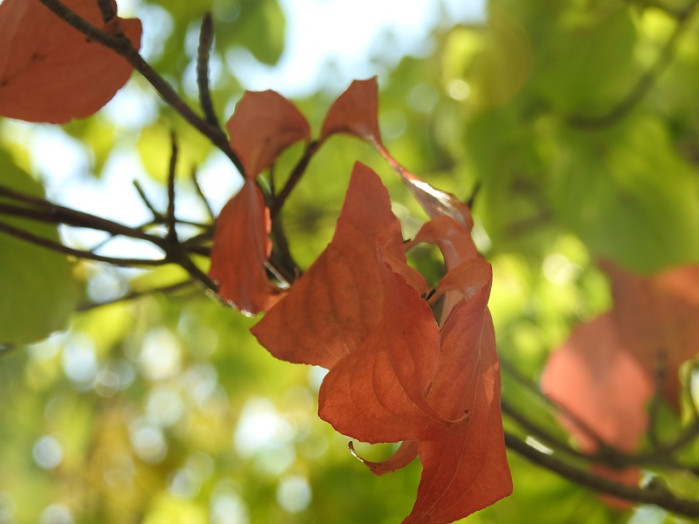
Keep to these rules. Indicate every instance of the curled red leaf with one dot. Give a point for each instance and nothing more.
(355, 112)
(403, 456)
(49, 71)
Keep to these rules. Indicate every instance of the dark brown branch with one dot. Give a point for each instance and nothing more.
(544, 436)
(121, 45)
(206, 38)
(197, 274)
(658, 497)
(79, 253)
(293, 179)
(50, 212)
(645, 83)
(46, 211)
(50, 217)
(471, 200)
(133, 295)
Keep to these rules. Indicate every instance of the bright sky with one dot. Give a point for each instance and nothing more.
(346, 33)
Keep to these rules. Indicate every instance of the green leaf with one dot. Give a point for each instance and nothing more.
(588, 64)
(629, 196)
(37, 289)
(260, 28)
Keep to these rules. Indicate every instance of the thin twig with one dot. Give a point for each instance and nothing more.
(471, 200)
(170, 219)
(661, 455)
(121, 45)
(133, 295)
(199, 191)
(656, 401)
(206, 38)
(141, 193)
(197, 274)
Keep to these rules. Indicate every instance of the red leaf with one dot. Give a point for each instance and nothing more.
(595, 377)
(604, 374)
(597, 380)
(240, 249)
(462, 473)
(334, 306)
(50, 72)
(465, 470)
(467, 271)
(657, 320)
(377, 392)
(263, 125)
(355, 112)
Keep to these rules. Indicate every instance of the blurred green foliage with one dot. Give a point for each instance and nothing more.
(38, 294)
(165, 409)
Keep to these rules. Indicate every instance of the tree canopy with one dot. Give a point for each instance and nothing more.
(476, 272)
